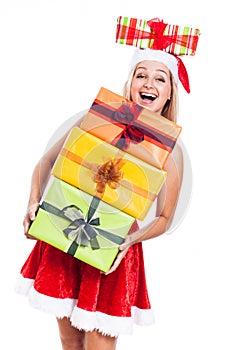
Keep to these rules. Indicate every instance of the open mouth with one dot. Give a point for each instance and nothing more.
(147, 97)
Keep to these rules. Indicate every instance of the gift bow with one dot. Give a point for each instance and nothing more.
(125, 115)
(108, 174)
(161, 41)
(81, 231)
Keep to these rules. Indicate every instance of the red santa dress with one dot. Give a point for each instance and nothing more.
(58, 283)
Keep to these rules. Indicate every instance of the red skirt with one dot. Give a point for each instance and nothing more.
(64, 286)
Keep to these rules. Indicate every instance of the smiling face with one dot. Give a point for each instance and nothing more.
(151, 85)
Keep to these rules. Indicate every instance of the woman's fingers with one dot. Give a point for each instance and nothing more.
(117, 262)
(29, 217)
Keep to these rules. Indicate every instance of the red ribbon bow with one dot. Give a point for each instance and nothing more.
(125, 115)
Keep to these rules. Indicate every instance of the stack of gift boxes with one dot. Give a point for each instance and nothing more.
(107, 174)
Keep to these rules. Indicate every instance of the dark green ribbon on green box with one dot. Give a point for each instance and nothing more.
(81, 231)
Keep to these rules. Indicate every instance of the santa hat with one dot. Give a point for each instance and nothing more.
(158, 41)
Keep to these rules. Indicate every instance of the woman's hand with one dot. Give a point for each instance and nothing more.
(118, 260)
(123, 249)
(29, 217)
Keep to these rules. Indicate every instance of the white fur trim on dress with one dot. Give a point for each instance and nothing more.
(55, 306)
(84, 319)
(110, 325)
(23, 285)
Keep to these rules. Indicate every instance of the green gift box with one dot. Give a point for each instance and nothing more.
(81, 225)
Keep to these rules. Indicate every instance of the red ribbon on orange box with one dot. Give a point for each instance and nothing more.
(126, 116)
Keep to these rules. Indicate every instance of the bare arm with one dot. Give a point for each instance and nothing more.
(167, 199)
(40, 177)
(166, 205)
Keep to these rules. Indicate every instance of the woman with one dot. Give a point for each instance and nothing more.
(93, 308)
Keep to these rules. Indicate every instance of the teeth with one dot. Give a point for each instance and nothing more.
(148, 96)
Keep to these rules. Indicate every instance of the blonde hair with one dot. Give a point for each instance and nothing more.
(170, 109)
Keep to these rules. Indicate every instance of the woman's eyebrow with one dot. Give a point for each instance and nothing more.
(161, 70)
(156, 70)
(141, 68)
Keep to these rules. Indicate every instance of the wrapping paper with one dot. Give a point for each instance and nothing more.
(143, 34)
(81, 225)
(140, 132)
(103, 170)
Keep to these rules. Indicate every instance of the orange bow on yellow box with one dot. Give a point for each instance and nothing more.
(109, 174)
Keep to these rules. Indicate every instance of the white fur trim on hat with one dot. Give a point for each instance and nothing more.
(156, 55)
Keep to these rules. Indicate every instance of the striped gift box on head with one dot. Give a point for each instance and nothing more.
(157, 35)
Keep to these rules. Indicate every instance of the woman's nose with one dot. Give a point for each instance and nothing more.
(149, 83)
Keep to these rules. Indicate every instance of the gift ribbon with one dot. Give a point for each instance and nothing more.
(126, 115)
(107, 112)
(93, 167)
(81, 231)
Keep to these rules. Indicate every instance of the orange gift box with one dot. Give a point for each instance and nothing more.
(132, 128)
(102, 170)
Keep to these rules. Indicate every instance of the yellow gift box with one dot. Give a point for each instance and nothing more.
(102, 170)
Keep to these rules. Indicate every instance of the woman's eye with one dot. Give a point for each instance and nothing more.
(140, 76)
(160, 79)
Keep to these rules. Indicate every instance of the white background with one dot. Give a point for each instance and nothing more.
(54, 56)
